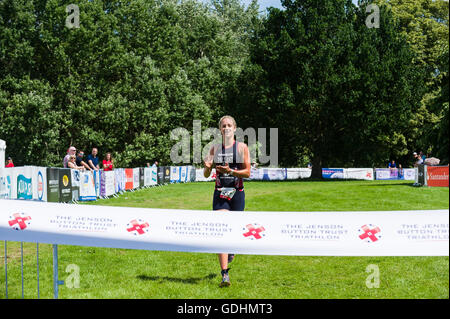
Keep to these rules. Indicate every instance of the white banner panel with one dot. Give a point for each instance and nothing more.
(39, 176)
(359, 173)
(374, 233)
(409, 174)
(5, 185)
(175, 174)
(199, 177)
(11, 177)
(135, 178)
(87, 186)
(183, 174)
(298, 173)
(107, 183)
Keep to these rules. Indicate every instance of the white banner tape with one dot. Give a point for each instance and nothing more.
(374, 233)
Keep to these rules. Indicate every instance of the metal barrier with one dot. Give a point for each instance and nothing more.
(56, 281)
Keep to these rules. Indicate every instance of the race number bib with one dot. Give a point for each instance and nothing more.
(227, 193)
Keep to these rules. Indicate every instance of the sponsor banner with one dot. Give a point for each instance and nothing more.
(192, 173)
(136, 178)
(107, 183)
(65, 185)
(199, 177)
(129, 177)
(5, 183)
(24, 182)
(437, 176)
(150, 176)
(161, 171)
(39, 175)
(76, 179)
(275, 174)
(87, 186)
(298, 173)
(10, 179)
(175, 174)
(141, 177)
(375, 233)
(97, 181)
(386, 173)
(359, 173)
(409, 174)
(333, 173)
(184, 174)
(154, 176)
(166, 174)
(53, 184)
(119, 179)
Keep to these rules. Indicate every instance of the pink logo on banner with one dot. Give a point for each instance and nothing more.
(254, 230)
(368, 231)
(138, 227)
(19, 221)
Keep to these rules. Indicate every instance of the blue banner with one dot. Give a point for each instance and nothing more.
(333, 173)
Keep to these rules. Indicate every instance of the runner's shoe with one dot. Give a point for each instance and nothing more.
(225, 278)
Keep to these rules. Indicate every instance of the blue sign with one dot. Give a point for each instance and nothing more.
(333, 173)
(24, 189)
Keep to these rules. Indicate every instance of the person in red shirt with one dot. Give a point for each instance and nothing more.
(108, 163)
(9, 162)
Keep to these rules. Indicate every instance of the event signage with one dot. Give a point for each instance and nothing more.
(87, 187)
(372, 233)
(53, 184)
(333, 173)
(65, 185)
(437, 176)
(128, 178)
(24, 187)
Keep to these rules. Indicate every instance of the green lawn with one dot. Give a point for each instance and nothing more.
(121, 273)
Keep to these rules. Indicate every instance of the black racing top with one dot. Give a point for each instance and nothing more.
(229, 155)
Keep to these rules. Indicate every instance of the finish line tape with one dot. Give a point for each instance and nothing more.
(371, 233)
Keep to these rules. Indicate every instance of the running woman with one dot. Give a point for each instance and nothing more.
(232, 163)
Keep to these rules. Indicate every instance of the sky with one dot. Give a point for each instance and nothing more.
(263, 4)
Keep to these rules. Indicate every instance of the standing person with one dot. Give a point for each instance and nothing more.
(9, 162)
(155, 164)
(80, 162)
(232, 163)
(71, 151)
(418, 159)
(93, 159)
(392, 164)
(108, 162)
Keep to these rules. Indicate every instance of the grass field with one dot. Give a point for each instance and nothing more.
(121, 273)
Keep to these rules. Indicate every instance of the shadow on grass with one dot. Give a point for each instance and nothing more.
(190, 281)
(394, 184)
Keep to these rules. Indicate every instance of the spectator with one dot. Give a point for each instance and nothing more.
(422, 156)
(9, 162)
(392, 164)
(155, 164)
(148, 164)
(73, 164)
(79, 160)
(71, 151)
(93, 159)
(418, 159)
(108, 162)
(400, 171)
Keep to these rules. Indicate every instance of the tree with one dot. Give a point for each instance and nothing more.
(339, 92)
(424, 23)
